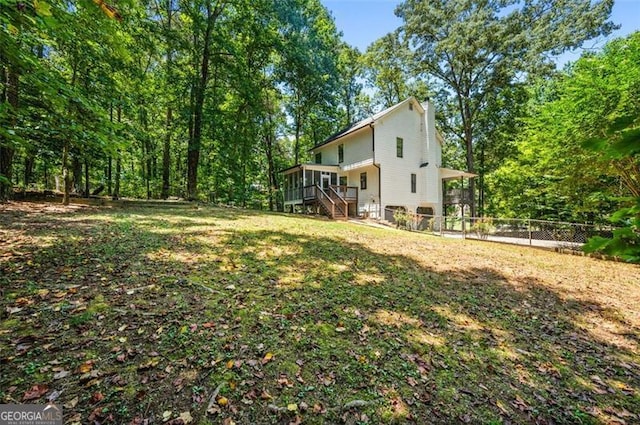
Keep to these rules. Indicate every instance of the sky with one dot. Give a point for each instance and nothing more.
(364, 21)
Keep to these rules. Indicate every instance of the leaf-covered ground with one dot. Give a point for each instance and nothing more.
(208, 316)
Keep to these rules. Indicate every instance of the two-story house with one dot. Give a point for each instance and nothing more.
(388, 161)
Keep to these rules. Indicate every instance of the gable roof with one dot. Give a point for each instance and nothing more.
(367, 121)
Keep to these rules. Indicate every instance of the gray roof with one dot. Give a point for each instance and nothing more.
(365, 122)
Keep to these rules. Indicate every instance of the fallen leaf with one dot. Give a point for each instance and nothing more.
(502, 408)
(61, 374)
(151, 363)
(222, 401)
(22, 301)
(54, 396)
(85, 367)
(267, 358)
(35, 392)
(186, 417)
(265, 395)
(71, 403)
(166, 415)
(292, 407)
(97, 397)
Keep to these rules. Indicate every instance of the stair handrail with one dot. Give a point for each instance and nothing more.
(322, 196)
(343, 202)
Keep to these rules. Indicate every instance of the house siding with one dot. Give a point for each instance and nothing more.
(390, 184)
(396, 172)
(357, 147)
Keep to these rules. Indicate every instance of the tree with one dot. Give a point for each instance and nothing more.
(473, 49)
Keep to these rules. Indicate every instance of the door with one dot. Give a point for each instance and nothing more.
(325, 180)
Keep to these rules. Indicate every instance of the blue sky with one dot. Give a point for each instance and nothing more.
(364, 21)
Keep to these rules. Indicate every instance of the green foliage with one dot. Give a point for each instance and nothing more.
(478, 53)
(625, 242)
(483, 227)
(174, 95)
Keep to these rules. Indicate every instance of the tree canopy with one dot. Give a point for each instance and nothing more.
(476, 52)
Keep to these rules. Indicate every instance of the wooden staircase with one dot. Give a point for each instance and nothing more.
(329, 202)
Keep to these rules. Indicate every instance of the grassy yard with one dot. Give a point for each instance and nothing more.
(209, 316)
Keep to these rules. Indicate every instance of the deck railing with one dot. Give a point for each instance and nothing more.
(348, 193)
(327, 203)
(339, 201)
(309, 192)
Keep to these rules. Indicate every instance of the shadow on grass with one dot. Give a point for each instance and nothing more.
(162, 303)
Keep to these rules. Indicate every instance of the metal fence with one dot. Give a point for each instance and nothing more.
(551, 234)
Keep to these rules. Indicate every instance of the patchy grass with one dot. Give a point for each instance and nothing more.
(219, 316)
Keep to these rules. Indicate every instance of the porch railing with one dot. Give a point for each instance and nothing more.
(340, 203)
(309, 192)
(348, 193)
(457, 196)
(325, 201)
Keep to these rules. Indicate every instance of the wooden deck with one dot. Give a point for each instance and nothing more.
(337, 202)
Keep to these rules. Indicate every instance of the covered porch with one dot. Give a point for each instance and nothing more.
(321, 189)
(455, 196)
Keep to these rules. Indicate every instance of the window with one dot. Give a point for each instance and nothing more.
(343, 180)
(399, 143)
(319, 158)
(411, 106)
(363, 181)
(413, 183)
(340, 154)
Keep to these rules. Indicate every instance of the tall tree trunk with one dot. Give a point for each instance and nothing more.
(66, 173)
(77, 174)
(481, 172)
(468, 138)
(148, 166)
(116, 190)
(166, 156)
(86, 177)
(193, 149)
(110, 160)
(298, 124)
(12, 82)
(29, 162)
(166, 150)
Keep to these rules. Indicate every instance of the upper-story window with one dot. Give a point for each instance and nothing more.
(319, 158)
(413, 183)
(399, 147)
(363, 181)
(340, 154)
(411, 106)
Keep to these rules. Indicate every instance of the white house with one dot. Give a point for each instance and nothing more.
(388, 161)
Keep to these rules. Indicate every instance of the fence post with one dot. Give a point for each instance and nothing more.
(529, 226)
